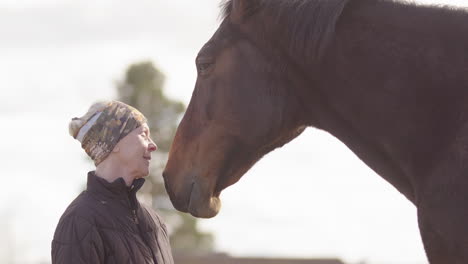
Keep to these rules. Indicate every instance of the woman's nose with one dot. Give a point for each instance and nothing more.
(152, 146)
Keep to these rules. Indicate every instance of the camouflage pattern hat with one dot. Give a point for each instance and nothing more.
(103, 130)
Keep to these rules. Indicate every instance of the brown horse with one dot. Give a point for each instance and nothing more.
(388, 79)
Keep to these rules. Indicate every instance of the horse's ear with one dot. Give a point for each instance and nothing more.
(239, 8)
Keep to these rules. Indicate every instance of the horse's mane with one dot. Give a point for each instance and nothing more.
(309, 24)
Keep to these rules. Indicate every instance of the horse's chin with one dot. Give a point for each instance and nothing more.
(202, 204)
(206, 210)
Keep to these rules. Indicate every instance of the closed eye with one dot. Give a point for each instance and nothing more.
(145, 134)
(204, 65)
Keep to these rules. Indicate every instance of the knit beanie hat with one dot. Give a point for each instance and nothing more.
(103, 126)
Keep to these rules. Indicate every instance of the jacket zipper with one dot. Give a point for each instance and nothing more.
(135, 218)
(132, 206)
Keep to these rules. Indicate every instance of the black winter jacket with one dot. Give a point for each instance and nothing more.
(107, 224)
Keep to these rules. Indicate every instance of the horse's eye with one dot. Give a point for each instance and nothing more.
(204, 65)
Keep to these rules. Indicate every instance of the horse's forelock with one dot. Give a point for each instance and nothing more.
(226, 8)
(249, 7)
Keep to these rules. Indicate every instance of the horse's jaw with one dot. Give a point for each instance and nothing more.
(197, 190)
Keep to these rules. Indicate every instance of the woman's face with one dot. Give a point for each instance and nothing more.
(134, 151)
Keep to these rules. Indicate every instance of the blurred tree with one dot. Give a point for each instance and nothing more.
(143, 89)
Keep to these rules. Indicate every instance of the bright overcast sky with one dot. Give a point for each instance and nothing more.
(59, 56)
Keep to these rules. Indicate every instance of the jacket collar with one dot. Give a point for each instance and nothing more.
(118, 187)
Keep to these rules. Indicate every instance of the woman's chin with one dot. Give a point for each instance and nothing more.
(141, 173)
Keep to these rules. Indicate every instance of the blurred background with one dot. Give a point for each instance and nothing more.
(57, 57)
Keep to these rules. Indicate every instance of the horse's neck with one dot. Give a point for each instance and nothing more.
(373, 152)
(386, 95)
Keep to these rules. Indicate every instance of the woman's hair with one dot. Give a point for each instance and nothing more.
(78, 122)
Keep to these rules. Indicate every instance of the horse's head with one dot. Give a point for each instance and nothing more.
(241, 109)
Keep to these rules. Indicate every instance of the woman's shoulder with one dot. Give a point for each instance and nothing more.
(82, 207)
(77, 219)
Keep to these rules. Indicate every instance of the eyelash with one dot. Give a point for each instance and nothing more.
(145, 135)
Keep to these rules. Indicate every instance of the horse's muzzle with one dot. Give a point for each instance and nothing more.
(192, 196)
(202, 203)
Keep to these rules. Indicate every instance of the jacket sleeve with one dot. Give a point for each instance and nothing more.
(76, 241)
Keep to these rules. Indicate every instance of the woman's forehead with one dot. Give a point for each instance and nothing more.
(141, 128)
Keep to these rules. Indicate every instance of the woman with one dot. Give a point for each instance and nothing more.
(106, 223)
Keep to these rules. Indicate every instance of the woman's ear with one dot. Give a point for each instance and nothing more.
(116, 149)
